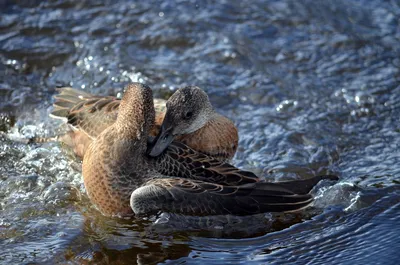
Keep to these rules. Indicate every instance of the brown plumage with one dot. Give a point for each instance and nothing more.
(89, 115)
(121, 179)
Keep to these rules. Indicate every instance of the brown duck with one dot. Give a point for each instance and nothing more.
(189, 118)
(121, 179)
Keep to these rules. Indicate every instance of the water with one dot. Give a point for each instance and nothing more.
(313, 87)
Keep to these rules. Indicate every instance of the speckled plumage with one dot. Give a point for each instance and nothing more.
(114, 164)
(122, 180)
(89, 115)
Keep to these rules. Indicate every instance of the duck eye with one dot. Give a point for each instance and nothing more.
(188, 115)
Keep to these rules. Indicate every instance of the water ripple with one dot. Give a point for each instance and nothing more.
(313, 87)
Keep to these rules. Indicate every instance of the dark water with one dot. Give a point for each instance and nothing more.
(313, 87)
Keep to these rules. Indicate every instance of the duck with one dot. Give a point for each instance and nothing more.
(188, 111)
(122, 179)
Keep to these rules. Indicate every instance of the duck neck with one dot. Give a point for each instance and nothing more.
(135, 118)
(213, 118)
(133, 134)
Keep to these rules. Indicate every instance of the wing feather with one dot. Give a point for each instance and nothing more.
(193, 197)
(179, 160)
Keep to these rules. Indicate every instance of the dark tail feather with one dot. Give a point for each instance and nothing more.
(281, 196)
(304, 186)
(66, 100)
(41, 140)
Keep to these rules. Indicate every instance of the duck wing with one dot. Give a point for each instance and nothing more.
(93, 114)
(193, 197)
(179, 160)
(86, 112)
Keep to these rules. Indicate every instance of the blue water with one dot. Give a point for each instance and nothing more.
(313, 87)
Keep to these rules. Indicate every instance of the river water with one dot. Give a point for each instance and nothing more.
(312, 85)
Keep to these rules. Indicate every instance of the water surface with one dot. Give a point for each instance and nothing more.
(313, 87)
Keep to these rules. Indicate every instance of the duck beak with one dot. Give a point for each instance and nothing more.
(162, 140)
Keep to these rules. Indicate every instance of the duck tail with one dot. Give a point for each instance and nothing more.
(67, 99)
(42, 140)
(304, 186)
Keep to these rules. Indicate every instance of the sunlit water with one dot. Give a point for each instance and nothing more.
(313, 87)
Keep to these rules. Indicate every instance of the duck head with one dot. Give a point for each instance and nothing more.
(188, 110)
